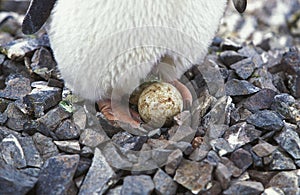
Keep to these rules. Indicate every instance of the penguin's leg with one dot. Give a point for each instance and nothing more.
(185, 93)
(119, 113)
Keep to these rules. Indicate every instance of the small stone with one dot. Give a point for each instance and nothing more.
(216, 131)
(16, 118)
(71, 146)
(32, 156)
(67, 130)
(228, 44)
(289, 140)
(141, 184)
(45, 146)
(43, 63)
(41, 99)
(236, 87)
(261, 176)
(100, 176)
(183, 133)
(194, 176)
(223, 175)
(241, 158)
(134, 143)
(56, 175)
(273, 191)
(240, 134)
(12, 181)
(164, 184)
(221, 146)
(80, 118)
(16, 50)
(174, 160)
(287, 181)
(281, 162)
(92, 138)
(264, 149)
(213, 158)
(17, 86)
(11, 152)
(236, 172)
(54, 117)
(244, 68)
(260, 101)
(267, 120)
(245, 187)
(231, 57)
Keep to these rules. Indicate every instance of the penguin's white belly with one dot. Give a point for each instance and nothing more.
(102, 45)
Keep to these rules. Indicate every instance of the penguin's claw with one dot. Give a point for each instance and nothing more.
(119, 114)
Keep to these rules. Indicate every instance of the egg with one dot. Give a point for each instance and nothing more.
(159, 103)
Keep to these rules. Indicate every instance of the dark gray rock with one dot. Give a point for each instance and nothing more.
(17, 86)
(286, 181)
(174, 160)
(236, 87)
(194, 175)
(45, 146)
(141, 184)
(67, 130)
(260, 101)
(92, 138)
(264, 149)
(70, 146)
(164, 184)
(261, 176)
(3, 118)
(280, 162)
(223, 175)
(289, 140)
(216, 131)
(11, 152)
(83, 166)
(240, 134)
(16, 118)
(134, 143)
(286, 105)
(12, 181)
(100, 176)
(242, 159)
(32, 156)
(41, 99)
(16, 50)
(43, 63)
(230, 57)
(267, 120)
(245, 187)
(244, 69)
(228, 44)
(56, 175)
(54, 117)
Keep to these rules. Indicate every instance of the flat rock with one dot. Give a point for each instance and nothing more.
(141, 184)
(16, 118)
(164, 184)
(263, 149)
(17, 86)
(230, 57)
(260, 101)
(11, 152)
(183, 133)
(267, 120)
(237, 87)
(67, 130)
(245, 187)
(244, 68)
(173, 161)
(280, 162)
(241, 158)
(12, 181)
(194, 175)
(289, 140)
(32, 155)
(286, 181)
(92, 138)
(45, 146)
(223, 175)
(56, 175)
(99, 177)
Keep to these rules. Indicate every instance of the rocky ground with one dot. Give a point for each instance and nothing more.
(240, 137)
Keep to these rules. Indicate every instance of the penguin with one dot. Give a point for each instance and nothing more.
(106, 48)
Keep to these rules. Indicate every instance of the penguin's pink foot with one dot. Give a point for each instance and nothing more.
(119, 114)
(185, 93)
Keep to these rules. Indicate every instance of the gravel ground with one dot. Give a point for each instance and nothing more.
(241, 135)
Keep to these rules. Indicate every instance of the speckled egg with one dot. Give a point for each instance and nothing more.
(159, 103)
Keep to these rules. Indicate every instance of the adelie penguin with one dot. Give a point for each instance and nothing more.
(105, 48)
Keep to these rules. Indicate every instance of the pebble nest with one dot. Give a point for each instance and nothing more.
(241, 135)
